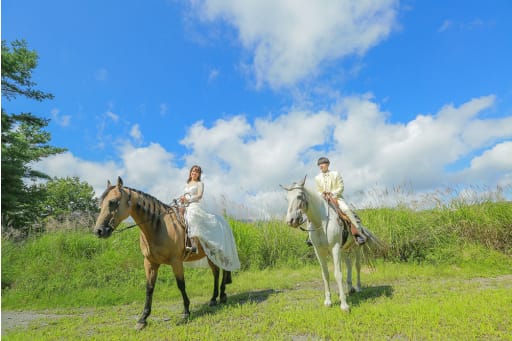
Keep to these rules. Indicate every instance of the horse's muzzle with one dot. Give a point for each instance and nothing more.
(295, 222)
(103, 231)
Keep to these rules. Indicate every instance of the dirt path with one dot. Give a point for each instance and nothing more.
(15, 319)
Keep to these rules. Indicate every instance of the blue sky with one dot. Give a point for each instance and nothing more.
(393, 92)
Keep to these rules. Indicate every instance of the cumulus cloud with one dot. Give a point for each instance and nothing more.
(289, 40)
(493, 166)
(244, 162)
(94, 173)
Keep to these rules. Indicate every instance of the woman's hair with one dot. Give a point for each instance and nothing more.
(190, 173)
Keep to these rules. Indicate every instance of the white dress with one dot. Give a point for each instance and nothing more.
(213, 231)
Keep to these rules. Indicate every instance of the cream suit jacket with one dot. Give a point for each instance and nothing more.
(330, 181)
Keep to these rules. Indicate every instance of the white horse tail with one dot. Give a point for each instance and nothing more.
(370, 250)
(373, 248)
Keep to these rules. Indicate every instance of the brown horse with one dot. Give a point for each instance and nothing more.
(162, 240)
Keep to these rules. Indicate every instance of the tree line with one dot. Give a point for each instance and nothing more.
(29, 196)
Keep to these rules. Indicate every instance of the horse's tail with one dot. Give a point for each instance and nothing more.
(373, 247)
(370, 250)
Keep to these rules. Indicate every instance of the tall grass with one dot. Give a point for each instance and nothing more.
(428, 235)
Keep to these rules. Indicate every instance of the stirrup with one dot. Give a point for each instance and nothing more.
(191, 249)
(360, 240)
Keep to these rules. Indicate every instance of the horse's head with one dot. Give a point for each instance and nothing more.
(114, 208)
(297, 203)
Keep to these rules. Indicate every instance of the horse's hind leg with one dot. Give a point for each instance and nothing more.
(348, 266)
(215, 271)
(151, 270)
(358, 269)
(226, 279)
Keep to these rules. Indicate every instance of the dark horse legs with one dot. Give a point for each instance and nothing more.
(226, 279)
(151, 275)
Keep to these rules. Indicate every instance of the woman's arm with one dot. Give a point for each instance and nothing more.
(199, 195)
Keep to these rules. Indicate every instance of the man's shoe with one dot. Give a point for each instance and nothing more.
(360, 239)
(191, 249)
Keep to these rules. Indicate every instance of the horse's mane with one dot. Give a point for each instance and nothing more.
(313, 197)
(145, 202)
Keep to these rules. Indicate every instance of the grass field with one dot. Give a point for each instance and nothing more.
(399, 301)
(447, 275)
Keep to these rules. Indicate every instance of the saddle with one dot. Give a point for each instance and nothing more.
(343, 219)
(179, 211)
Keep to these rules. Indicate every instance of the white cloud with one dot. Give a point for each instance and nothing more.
(214, 73)
(493, 166)
(289, 40)
(446, 25)
(244, 162)
(113, 116)
(95, 173)
(62, 120)
(136, 134)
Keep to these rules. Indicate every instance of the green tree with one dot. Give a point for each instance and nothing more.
(24, 140)
(67, 195)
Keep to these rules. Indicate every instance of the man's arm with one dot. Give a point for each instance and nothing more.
(337, 185)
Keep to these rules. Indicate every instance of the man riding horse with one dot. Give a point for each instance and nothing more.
(330, 185)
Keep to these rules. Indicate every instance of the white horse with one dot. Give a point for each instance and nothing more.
(326, 234)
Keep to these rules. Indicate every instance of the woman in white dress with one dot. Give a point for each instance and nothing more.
(212, 231)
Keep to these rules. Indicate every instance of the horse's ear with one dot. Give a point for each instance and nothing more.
(285, 188)
(303, 181)
(108, 184)
(119, 182)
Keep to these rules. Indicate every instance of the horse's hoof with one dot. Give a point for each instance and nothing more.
(327, 303)
(351, 291)
(185, 315)
(212, 303)
(345, 307)
(223, 299)
(141, 325)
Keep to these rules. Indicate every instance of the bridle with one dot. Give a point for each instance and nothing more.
(302, 206)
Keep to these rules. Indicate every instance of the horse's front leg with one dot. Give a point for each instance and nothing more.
(151, 270)
(177, 268)
(321, 255)
(336, 257)
(215, 272)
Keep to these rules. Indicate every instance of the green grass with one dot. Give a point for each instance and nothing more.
(399, 301)
(446, 274)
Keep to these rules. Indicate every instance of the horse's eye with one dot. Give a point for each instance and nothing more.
(113, 204)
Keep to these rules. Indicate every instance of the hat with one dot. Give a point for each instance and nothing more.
(323, 160)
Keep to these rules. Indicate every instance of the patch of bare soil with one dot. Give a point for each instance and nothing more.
(21, 319)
